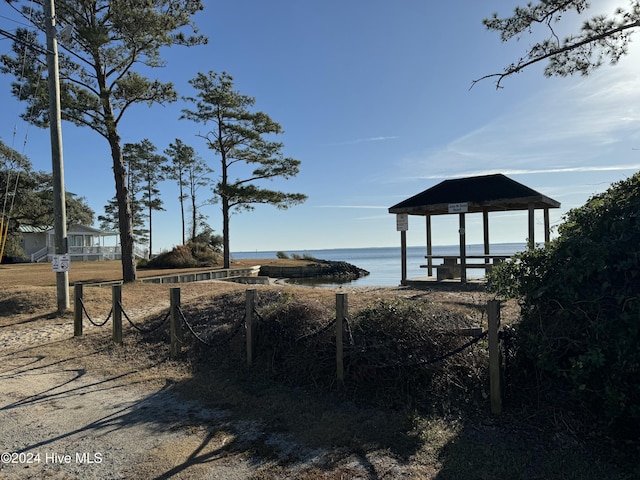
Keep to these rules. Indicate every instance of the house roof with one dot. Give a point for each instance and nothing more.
(72, 229)
(488, 192)
(32, 229)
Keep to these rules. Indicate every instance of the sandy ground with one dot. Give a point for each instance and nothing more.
(61, 421)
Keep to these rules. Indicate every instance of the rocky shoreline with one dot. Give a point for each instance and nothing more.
(318, 269)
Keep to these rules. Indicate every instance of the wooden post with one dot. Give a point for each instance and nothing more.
(547, 228)
(403, 253)
(495, 356)
(485, 232)
(429, 247)
(341, 315)
(77, 310)
(116, 300)
(532, 226)
(175, 325)
(463, 249)
(250, 325)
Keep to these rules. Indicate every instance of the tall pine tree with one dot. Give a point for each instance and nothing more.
(239, 137)
(103, 61)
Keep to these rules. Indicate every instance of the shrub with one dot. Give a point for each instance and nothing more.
(580, 326)
(186, 256)
(282, 255)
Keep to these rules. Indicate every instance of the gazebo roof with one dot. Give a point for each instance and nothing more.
(488, 192)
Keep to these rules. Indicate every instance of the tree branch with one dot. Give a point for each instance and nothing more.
(558, 51)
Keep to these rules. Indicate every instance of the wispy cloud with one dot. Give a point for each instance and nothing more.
(368, 207)
(595, 168)
(564, 128)
(363, 140)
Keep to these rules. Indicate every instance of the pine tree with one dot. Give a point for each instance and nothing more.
(237, 136)
(191, 173)
(600, 38)
(108, 41)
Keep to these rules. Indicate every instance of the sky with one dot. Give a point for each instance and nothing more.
(374, 99)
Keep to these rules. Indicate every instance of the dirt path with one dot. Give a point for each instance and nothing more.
(61, 421)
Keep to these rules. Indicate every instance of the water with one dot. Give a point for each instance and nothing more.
(383, 263)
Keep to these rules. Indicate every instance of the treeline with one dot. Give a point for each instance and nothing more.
(26, 196)
(146, 169)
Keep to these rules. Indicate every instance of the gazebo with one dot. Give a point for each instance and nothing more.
(461, 196)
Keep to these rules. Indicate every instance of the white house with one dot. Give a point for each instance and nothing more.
(85, 243)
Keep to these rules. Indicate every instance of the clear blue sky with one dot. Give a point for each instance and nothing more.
(374, 99)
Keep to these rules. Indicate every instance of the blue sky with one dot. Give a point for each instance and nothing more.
(374, 99)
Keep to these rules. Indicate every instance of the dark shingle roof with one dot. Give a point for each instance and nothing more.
(490, 192)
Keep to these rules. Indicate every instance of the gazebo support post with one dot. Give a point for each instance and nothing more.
(403, 254)
(429, 247)
(463, 250)
(532, 224)
(485, 231)
(547, 228)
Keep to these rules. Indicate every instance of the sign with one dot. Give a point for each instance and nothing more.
(458, 207)
(61, 263)
(402, 222)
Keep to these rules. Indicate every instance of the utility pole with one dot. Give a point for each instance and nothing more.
(59, 207)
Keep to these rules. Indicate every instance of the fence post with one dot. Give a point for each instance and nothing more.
(77, 310)
(116, 300)
(495, 356)
(250, 325)
(175, 326)
(341, 314)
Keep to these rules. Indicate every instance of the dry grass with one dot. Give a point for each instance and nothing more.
(469, 444)
(41, 274)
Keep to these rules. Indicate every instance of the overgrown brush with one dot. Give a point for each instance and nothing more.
(580, 327)
(396, 352)
(187, 256)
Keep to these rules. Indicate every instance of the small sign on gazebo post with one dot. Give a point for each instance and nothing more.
(402, 222)
(402, 225)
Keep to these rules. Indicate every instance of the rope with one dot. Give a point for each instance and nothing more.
(258, 314)
(346, 321)
(440, 358)
(140, 329)
(190, 328)
(84, 309)
(318, 332)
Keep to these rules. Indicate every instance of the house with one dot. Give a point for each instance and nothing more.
(85, 243)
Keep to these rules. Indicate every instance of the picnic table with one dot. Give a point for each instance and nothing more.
(451, 266)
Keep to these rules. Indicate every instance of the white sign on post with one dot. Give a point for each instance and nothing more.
(458, 207)
(402, 222)
(61, 263)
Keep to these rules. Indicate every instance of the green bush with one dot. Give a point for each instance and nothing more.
(580, 326)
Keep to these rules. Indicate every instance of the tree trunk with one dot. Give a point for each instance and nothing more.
(125, 223)
(194, 216)
(225, 232)
(150, 228)
(182, 210)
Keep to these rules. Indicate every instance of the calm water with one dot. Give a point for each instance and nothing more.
(383, 263)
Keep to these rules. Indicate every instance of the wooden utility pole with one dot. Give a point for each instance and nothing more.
(59, 207)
